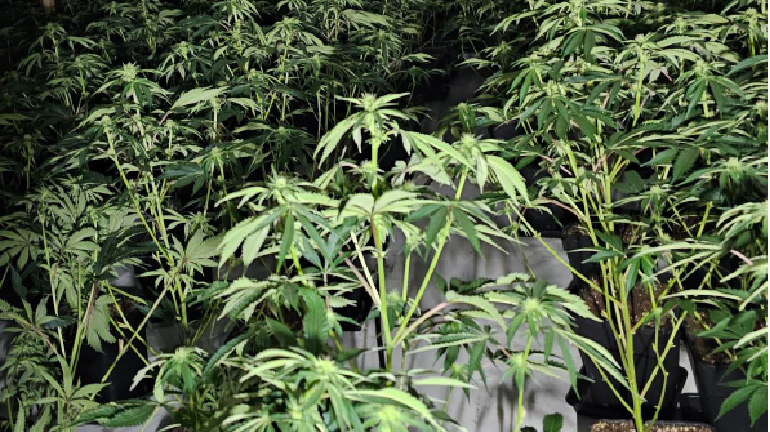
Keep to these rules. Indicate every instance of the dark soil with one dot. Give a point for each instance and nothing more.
(705, 346)
(126, 306)
(640, 301)
(677, 230)
(628, 233)
(576, 229)
(629, 427)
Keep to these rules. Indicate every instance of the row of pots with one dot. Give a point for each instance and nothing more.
(595, 398)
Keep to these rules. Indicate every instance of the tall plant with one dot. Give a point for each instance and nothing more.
(607, 83)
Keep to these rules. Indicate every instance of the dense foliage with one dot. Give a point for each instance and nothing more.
(198, 140)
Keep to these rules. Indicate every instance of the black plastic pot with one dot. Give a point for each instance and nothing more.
(711, 379)
(93, 365)
(359, 311)
(356, 312)
(597, 396)
(572, 243)
(545, 223)
(727, 265)
(690, 409)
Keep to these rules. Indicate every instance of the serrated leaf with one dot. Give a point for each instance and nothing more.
(437, 221)
(252, 245)
(684, 162)
(758, 404)
(442, 381)
(736, 398)
(402, 398)
(287, 239)
(481, 303)
(197, 95)
(134, 416)
(466, 225)
(314, 324)
(510, 180)
(223, 351)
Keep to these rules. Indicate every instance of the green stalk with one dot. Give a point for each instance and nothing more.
(426, 280)
(383, 295)
(52, 275)
(639, 82)
(136, 331)
(405, 289)
(636, 401)
(520, 412)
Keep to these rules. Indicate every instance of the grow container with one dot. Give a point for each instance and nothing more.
(690, 409)
(659, 426)
(573, 240)
(596, 398)
(355, 312)
(548, 223)
(93, 365)
(711, 379)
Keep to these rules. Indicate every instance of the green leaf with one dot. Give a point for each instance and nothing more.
(663, 158)
(442, 381)
(133, 416)
(467, 226)
(401, 398)
(747, 63)
(287, 239)
(235, 236)
(329, 142)
(437, 221)
(684, 162)
(20, 420)
(481, 303)
(281, 332)
(42, 423)
(603, 255)
(695, 96)
(223, 351)
(441, 146)
(197, 95)
(736, 398)
(632, 274)
(314, 324)
(253, 244)
(553, 423)
(510, 180)
(758, 402)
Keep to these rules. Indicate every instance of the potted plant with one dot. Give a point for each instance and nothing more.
(601, 399)
(570, 96)
(716, 375)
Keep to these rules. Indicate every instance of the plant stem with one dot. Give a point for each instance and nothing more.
(520, 411)
(426, 280)
(405, 289)
(383, 295)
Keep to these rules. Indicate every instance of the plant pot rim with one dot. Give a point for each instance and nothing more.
(669, 423)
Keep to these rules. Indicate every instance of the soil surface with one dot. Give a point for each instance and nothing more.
(705, 346)
(126, 306)
(628, 233)
(575, 229)
(677, 229)
(640, 301)
(629, 427)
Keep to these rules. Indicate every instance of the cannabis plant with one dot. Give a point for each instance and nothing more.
(630, 106)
